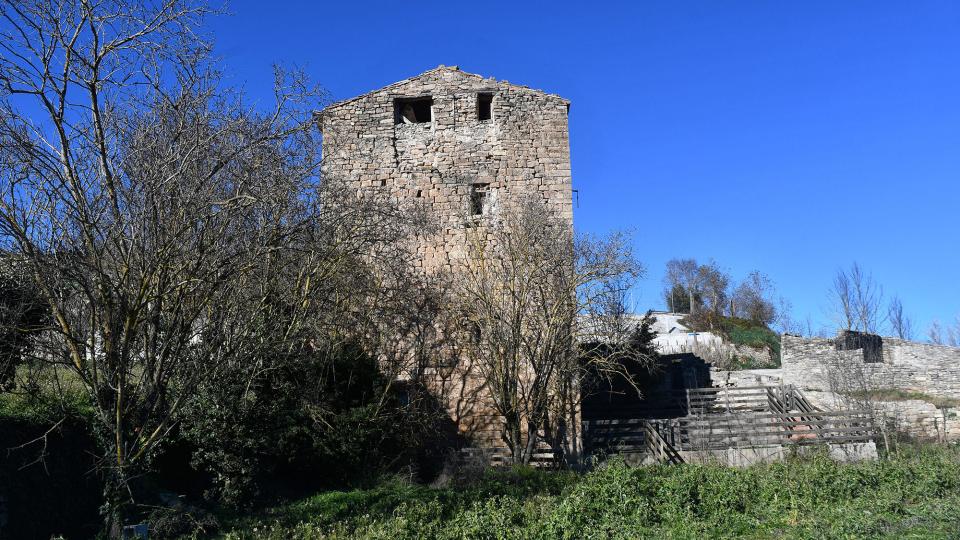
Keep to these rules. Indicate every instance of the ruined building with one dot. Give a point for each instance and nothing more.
(457, 143)
(914, 386)
(461, 148)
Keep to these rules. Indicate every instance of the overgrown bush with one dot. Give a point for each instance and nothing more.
(181, 521)
(22, 314)
(743, 332)
(301, 424)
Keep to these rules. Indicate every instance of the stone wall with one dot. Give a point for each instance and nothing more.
(441, 165)
(462, 168)
(906, 365)
(746, 377)
(833, 378)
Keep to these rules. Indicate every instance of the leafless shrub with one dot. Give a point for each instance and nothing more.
(940, 334)
(857, 300)
(529, 293)
(900, 323)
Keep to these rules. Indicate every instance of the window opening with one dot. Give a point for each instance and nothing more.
(413, 110)
(478, 198)
(871, 344)
(484, 107)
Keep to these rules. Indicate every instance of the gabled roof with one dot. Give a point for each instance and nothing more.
(438, 69)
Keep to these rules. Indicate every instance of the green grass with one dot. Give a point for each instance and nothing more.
(897, 394)
(751, 334)
(916, 495)
(38, 401)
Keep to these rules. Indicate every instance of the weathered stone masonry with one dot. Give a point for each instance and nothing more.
(457, 143)
(462, 147)
(931, 370)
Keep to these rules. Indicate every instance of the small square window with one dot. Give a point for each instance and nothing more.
(478, 198)
(484, 107)
(413, 110)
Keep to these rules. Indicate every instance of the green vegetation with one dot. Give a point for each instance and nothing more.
(897, 394)
(915, 495)
(743, 332)
(45, 467)
(751, 334)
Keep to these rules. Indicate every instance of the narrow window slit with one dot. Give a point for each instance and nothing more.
(478, 198)
(484, 107)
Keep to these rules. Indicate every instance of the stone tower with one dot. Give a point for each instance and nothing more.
(459, 144)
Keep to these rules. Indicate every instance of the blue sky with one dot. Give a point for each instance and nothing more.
(790, 138)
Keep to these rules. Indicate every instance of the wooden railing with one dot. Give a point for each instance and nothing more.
(767, 429)
(715, 400)
(544, 457)
(736, 417)
(634, 435)
(658, 447)
(614, 436)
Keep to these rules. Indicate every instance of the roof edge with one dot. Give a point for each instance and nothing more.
(439, 68)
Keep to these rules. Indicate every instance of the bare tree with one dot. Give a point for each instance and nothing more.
(900, 323)
(716, 283)
(753, 299)
(530, 293)
(686, 274)
(784, 321)
(171, 232)
(944, 335)
(857, 300)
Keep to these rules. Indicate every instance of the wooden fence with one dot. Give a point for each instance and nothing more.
(712, 432)
(721, 418)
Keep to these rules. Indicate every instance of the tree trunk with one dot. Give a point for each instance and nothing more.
(114, 504)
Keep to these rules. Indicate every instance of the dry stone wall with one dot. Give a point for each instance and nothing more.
(825, 374)
(456, 163)
(906, 365)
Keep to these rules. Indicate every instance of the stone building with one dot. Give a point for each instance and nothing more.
(459, 145)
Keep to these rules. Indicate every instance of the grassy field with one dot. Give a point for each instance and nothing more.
(913, 495)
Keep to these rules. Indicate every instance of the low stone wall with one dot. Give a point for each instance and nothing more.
(745, 457)
(713, 349)
(921, 419)
(746, 377)
(832, 378)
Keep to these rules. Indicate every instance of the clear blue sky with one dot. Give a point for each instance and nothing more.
(791, 138)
